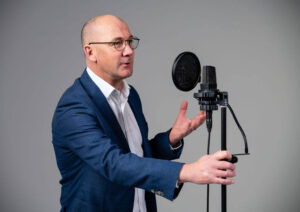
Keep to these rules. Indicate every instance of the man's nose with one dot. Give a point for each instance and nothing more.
(127, 50)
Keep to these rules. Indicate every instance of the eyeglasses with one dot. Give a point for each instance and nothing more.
(120, 44)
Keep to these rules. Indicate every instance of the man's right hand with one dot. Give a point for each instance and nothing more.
(209, 169)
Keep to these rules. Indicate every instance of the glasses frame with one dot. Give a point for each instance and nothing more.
(115, 43)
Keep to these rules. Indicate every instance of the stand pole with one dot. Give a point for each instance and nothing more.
(223, 147)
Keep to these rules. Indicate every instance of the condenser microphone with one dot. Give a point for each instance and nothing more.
(186, 74)
(208, 93)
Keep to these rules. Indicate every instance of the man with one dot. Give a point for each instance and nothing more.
(100, 135)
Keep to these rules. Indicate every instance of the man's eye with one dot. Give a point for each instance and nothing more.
(118, 43)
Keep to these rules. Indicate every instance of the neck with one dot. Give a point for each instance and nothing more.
(116, 83)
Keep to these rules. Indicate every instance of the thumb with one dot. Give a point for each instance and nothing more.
(183, 108)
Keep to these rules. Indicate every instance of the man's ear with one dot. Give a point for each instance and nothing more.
(89, 53)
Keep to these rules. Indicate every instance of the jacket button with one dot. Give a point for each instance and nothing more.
(160, 193)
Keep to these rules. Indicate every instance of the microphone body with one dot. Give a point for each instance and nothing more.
(208, 93)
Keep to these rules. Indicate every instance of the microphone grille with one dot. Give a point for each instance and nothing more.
(209, 80)
(209, 75)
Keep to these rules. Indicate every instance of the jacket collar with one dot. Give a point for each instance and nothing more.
(103, 108)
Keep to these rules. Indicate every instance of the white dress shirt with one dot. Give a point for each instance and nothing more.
(119, 105)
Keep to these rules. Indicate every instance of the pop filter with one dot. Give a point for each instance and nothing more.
(186, 71)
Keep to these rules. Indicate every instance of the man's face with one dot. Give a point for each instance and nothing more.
(113, 65)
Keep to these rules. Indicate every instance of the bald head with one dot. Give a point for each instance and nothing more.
(98, 25)
(111, 64)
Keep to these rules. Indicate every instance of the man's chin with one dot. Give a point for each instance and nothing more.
(127, 73)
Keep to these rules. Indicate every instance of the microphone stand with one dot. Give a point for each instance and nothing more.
(223, 147)
(223, 104)
(209, 101)
(186, 75)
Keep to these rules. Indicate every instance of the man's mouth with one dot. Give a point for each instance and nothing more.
(126, 63)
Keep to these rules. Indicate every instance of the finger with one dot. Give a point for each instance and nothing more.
(220, 155)
(223, 181)
(225, 173)
(223, 165)
(183, 108)
(202, 113)
(198, 120)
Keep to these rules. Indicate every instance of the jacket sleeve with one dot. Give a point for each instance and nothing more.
(161, 148)
(75, 127)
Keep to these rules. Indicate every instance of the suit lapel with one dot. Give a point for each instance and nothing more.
(137, 111)
(103, 108)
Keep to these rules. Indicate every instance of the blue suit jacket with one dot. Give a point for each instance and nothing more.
(98, 170)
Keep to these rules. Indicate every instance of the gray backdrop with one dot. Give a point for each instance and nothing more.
(253, 44)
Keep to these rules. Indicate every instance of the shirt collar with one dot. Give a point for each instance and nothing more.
(106, 88)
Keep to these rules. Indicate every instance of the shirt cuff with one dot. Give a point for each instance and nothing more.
(177, 147)
(177, 184)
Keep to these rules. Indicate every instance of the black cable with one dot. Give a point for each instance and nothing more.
(208, 143)
(241, 129)
(207, 188)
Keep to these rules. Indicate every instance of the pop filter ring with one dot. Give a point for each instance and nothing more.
(188, 65)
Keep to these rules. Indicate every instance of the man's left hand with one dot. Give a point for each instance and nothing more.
(184, 126)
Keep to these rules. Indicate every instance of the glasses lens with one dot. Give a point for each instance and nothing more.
(119, 45)
(134, 43)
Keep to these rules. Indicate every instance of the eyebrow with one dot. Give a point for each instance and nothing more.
(120, 38)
